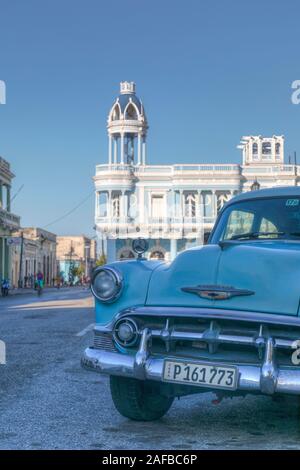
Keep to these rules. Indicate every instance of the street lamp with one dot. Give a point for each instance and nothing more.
(255, 185)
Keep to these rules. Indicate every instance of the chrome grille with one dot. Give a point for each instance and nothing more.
(103, 341)
(223, 338)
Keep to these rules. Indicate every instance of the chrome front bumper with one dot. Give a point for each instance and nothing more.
(267, 378)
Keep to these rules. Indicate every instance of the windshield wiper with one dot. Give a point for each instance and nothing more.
(254, 235)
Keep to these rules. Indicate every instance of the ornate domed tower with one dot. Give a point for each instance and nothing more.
(127, 128)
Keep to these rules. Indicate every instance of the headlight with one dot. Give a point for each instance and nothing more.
(107, 284)
(125, 332)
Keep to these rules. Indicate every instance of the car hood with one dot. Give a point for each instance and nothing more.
(267, 273)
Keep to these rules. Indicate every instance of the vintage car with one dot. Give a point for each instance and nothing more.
(223, 317)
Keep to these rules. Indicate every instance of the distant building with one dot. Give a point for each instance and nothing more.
(8, 222)
(36, 252)
(75, 251)
(173, 206)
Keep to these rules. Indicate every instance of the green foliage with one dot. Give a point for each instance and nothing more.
(101, 260)
(77, 271)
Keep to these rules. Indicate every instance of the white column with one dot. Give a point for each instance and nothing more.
(110, 150)
(250, 150)
(115, 150)
(273, 150)
(141, 212)
(139, 145)
(200, 207)
(173, 248)
(281, 142)
(144, 150)
(122, 149)
(122, 204)
(172, 212)
(181, 202)
(109, 211)
(259, 145)
(97, 203)
(214, 204)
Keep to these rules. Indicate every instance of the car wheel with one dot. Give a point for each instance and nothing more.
(139, 400)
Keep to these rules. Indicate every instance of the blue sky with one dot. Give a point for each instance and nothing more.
(208, 72)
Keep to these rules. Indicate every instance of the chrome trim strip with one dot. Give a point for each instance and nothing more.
(220, 338)
(213, 313)
(216, 292)
(251, 378)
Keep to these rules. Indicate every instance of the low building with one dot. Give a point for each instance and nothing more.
(8, 222)
(33, 251)
(73, 252)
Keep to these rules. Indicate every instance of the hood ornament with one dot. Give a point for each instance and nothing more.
(216, 292)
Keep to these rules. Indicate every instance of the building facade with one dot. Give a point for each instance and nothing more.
(8, 221)
(33, 251)
(173, 206)
(73, 252)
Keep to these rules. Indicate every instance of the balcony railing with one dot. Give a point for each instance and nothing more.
(8, 219)
(124, 227)
(273, 169)
(207, 168)
(169, 169)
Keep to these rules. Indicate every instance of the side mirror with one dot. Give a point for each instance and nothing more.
(206, 237)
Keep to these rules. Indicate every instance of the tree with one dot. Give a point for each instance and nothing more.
(77, 271)
(101, 260)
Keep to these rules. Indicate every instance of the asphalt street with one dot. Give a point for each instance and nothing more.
(49, 402)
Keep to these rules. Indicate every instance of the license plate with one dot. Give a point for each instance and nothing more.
(201, 374)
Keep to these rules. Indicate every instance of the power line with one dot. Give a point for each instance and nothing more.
(71, 211)
(16, 194)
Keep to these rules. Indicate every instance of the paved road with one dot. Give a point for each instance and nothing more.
(48, 401)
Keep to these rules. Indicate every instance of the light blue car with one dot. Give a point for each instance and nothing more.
(223, 317)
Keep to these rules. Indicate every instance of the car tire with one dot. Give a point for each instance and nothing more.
(139, 400)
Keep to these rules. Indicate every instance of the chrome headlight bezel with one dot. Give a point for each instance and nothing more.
(134, 328)
(118, 279)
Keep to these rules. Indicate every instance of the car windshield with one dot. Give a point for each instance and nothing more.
(260, 219)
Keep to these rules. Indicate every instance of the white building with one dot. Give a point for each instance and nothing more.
(8, 222)
(170, 205)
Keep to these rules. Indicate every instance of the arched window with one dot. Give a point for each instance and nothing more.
(131, 112)
(157, 254)
(116, 113)
(102, 204)
(126, 253)
(266, 148)
(277, 148)
(116, 206)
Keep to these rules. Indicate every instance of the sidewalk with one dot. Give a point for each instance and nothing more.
(29, 290)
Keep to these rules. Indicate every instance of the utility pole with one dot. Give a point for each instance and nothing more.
(69, 257)
(86, 260)
(20, 283)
